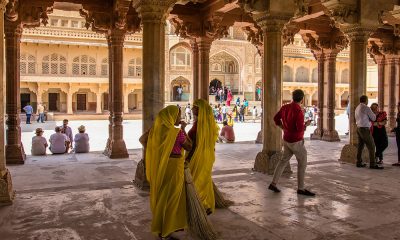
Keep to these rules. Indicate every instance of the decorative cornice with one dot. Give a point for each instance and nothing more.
(341, 12)
(289, 30)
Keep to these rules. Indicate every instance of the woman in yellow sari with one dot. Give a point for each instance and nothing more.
(203, 134)
(165, 172)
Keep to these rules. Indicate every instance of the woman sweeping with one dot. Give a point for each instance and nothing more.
(165, 172)
(203, 134)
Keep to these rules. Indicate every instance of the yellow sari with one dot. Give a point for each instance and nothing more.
(165, 175)
(203, 158)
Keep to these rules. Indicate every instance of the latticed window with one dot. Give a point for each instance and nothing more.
(104, 67)
(180, 59)
(135, 67)
(27, 64)
(84, 65)
(54, 64)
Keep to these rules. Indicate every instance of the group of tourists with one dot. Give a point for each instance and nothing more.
(310, 113)
(61, 141)
(234, 114)
(28, 109)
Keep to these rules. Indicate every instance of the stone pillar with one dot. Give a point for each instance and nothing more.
(126, 99)
(39, 92)
(98, 102)
(195, 69)
(6, 189)
(330, 134)
(338, 101)
(392, 60)
(153, 21)
(117, 147)
(110, 106)
(267, 159)
(317, 135)
(14, 148)
(358, 86)
(204, 44)
(381, 81)
(69, 102)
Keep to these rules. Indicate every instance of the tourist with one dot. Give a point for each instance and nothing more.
(229, 98)
(180, 91)
(364, 116)
(58, 142)
(204, 135)
(28, 112)
(65, 129)
(224, 111)
(397, 131)
(238, 101)
(379, 134)
(227, 135)
(188, 113)
(254, 113)
(40, 113)
(165, 172)
(291, 119)
(246, 106)
(81, 141)
(235, 113)
(39, 143)
(241, 113)
(258, 94)
(230, 120)
(221, 95)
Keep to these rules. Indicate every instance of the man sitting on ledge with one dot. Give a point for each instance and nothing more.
(58, 142)
(227, 135)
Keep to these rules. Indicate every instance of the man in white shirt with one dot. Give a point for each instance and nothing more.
(224, 111)
(188, 113)
(40, 113)
(81, 141)
(58, 142)
(254, 113)
(39, 143)
(364, 116)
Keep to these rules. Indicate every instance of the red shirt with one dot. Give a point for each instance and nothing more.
(291, 118)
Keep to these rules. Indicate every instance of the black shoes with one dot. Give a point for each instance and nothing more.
(361, 165)
(376, 167)
(274, 188)
(305, 192)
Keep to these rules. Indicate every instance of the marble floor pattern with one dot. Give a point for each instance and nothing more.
(89, 196)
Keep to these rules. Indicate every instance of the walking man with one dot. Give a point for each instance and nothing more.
(364, 116)
(28, 111)
(40, 113)
(291, 119)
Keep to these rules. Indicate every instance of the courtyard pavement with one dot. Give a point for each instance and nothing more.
(90, 197)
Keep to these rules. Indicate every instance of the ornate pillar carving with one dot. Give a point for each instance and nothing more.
(14, 148)
(204, 44)
(117, 147)
(195, 69)
(6, 190)
(317, 135)
(267, 159)
(330, 134)
(358, 37)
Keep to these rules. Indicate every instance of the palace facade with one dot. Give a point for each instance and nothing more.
(66, 67)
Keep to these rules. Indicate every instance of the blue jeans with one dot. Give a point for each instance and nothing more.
(41, 118)
(28, 118)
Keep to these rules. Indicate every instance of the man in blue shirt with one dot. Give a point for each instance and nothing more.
(28, 111)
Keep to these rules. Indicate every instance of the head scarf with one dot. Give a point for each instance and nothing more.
(203, 157)
(161, 140)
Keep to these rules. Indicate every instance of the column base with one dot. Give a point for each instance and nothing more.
(259, 137)
(267, 161)
(317, 135)
(117, 149)
(140, 176)
(6, 190)
(330, 136)
(349, 154)
(15, 154)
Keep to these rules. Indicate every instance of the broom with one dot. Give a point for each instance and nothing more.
(220, 201)
(196, 214)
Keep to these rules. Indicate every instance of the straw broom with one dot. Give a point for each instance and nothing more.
(196, 214)
(220, 201)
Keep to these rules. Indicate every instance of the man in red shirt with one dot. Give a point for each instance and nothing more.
(291, 119)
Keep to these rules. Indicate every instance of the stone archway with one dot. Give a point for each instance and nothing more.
(214, 85)
(184, 93)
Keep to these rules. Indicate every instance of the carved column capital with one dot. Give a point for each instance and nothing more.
(116, 37)
(272, 23)
(12, 30)
(154, 11)
(357, 33)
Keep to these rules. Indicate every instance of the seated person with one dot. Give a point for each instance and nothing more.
(39, 143)
(227, 134)
(81, 141)
(58, 142)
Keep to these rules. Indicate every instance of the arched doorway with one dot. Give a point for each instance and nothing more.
(180, 89)
(214, 85)
(258, 91)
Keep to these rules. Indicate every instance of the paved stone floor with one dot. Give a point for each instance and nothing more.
(89, 196)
